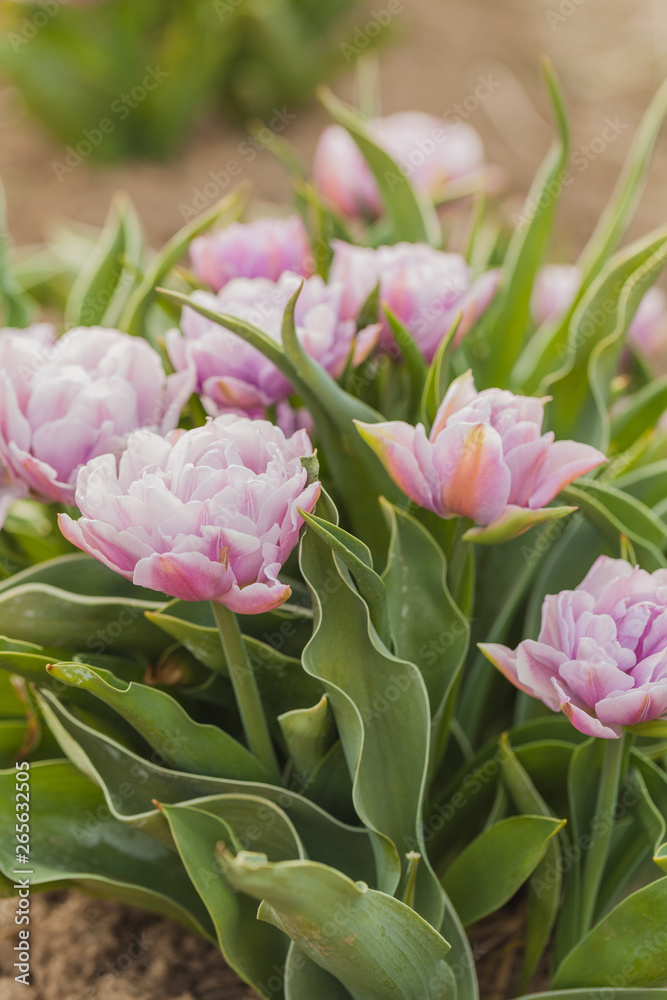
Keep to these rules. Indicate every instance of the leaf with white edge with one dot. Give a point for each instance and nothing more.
(414, 218)
(437, 376)
(75, 839)
(309, 734)
(253, 949)
(514, 521)
(497, 863)
(375, 945)
(96, 283)
(629, 945)
(165, 725)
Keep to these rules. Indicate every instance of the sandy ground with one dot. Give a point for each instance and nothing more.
(611, 55)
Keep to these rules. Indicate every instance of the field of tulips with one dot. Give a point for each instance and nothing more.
(333, 574)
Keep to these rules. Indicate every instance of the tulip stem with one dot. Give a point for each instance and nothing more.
(602, 829)
(246, 691)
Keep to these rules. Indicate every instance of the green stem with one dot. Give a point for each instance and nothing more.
(602, 828)
(245, 690)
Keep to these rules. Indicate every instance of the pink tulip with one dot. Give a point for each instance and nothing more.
(485, 457)
(553, 293)
(431, 153)
(231, 374)
(64, 402)
(425, 288)
(261, 249)
(209, 514)
(601, 655)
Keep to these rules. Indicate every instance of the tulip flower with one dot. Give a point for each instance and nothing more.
(485, 458)
(207, 514)
(261, 249)
(601, 655)
(233, 375)
(425, 288)
(64, 402)
(555, 288)
(431, 153)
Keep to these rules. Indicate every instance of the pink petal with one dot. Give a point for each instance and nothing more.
(460, 393)
(190, 576)
(629, 708)
(394, 444)
(475, 481)
(581, 720)
(565, 462)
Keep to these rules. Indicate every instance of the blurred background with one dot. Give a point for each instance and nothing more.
(168, 87)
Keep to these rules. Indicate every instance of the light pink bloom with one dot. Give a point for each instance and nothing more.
(209, 514)
(425, 288)
(601, 655)
(485, 456)
(553, 293)
(431, 153)
(261, 249)
(64, 402)
(234, 375)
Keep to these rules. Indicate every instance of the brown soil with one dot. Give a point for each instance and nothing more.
(611, 57)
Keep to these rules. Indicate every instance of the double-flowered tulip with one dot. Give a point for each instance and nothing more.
(261, 249)
(486, 455)
(233, 375)
(62, 402)
(601, 655)
(425, 288)
(207, 514)
(431, 153)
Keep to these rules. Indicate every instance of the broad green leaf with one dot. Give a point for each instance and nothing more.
(543, 897)
(75, 839)
(640, 413)
(356, 556)
(497, 863)
(253, 949)
(617, 513)
(309, 734)
(646, 483)
(132, 266)
(12, 738)
(304, 980)
(594, 994)
(413, 218)
(514, 521)
(375, 945)
(11, 706)
(17, 307)
(428, 628)
(507, 318)
(96, 283)
(580, 388)
(53, 617)
(413, 360)
(134, 313)
(78, 574)
(131, 783)
(165, 725)
(627, 946)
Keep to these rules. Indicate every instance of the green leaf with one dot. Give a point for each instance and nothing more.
(132, 263)
(96, 283)
(75, 839)
(428, 628)
(133, 317)
(165, 725)
(514, 521)
(628, 946)
(309, 734)
(497, 863)
(253, 949)
(304, 980)
(375, 945)
(437, 376)
(413, 218)
(594, 994)
(356, 556)
(413, 359)
(131, 783)
(616, 513)
(625, 196)
(640, 413)
(17, 308)
(506, 321)
(581, 385)
(543, 897)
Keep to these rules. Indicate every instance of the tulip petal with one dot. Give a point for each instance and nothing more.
(629, 708)
(581, 719)
(475, 481)
(565, 462)
(394, 444)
